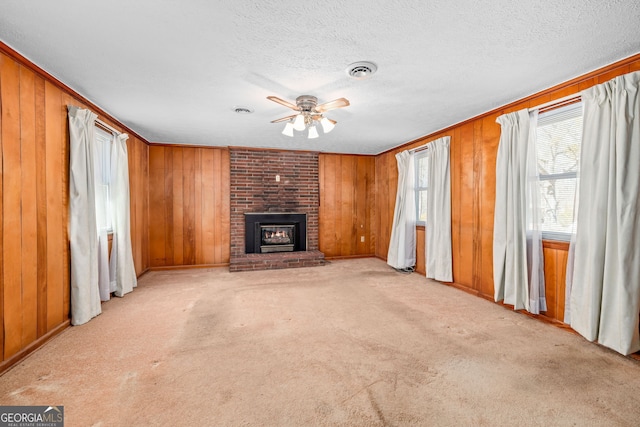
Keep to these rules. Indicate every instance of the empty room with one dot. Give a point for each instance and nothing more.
(287, 213)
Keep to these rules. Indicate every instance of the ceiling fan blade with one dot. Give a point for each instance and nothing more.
(332, 105)
(283, 102)
(284, 119)
(320, 117)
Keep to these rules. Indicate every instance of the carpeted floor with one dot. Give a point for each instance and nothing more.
(353, 343)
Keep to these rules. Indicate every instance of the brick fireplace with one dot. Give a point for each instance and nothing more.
(268, 182)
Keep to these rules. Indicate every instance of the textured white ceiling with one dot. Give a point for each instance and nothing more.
(173, 71)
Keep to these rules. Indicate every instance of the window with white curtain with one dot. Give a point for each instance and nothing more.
(102, 165)
(422, 186)
(558, 137)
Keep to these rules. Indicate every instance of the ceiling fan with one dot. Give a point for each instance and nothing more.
(308, 113)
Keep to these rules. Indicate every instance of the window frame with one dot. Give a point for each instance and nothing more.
(566, 112)
(417, 188)
(107, 136)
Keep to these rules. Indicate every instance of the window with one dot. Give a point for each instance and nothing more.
(558, 137)
(102, 165)
(422, 186)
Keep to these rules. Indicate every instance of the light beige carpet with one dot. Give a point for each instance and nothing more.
(353, 343)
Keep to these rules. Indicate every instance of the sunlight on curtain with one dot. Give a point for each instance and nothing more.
(518, 265)
(83, 230)
(402, 246)
(605, 293)
(123, 273)
(438, 220)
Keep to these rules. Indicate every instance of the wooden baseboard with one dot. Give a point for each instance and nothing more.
(186, 267)
(334, 258)
(13, 360)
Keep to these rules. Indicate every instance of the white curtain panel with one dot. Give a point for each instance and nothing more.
(83, 232)
(535, 255)
(123, 273)
(518, 267)
(605, 296)
(438, 223)
(402, 247)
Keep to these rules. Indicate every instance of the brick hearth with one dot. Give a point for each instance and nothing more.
(254, 189)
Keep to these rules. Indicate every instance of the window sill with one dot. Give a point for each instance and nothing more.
(555, 244)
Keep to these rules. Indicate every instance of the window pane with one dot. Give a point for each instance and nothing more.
(422, 205)
(422, 174)
(559, 134)
(102, 165)
(559, 146)
(556, 204)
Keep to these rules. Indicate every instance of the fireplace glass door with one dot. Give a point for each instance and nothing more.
(277, 238)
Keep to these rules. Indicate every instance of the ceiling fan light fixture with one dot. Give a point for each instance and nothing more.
(288, 129)
(308, 114)
(298, 123)
(327, 126)
(313, 132)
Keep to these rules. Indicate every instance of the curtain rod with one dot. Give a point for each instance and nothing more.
(420, 148)
(107, 127)
(564, 100)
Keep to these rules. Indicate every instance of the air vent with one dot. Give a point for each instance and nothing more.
(243, 110)
(361, 70)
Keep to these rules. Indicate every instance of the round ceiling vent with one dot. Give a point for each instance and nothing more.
(243, 110)
(361, 70)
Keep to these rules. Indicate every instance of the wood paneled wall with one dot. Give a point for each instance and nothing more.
(474, 145)
(188, 206)
(347, 200)
(139, 198)
(34, 201)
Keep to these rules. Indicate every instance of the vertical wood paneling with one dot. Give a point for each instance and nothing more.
(555, 266)
(139, 202)
(467, 195)
(489, 142)
(550, 279)
(12, 219)
(347, 201)
(34, 201)
(144, 216)
(197, 208)
(65, 250)
(561, 273)
(28, 208)
(421, 250)
(167, 203)
(455, 167)
(157, 216)
(2, 142)
(221, 203)
(188, 206)
(54, 118)
(473, 153)
(178, 206)
(41, 201)
(209, 234)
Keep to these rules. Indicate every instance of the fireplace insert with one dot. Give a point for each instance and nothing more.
(275, 232)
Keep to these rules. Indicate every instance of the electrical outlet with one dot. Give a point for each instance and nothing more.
(362, 239)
